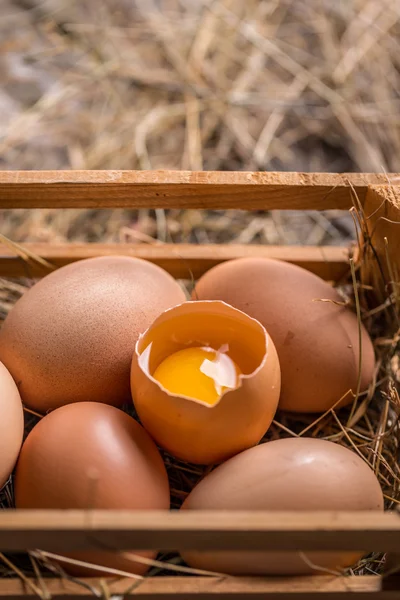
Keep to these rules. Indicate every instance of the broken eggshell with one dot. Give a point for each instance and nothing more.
(188, 428)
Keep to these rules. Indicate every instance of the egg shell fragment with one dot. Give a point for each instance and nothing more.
(71, 337)
(293, 474)
(191, 430)
(91, 456)
(316, 341)
(11, 424)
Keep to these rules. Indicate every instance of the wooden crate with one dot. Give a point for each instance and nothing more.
(58, 531)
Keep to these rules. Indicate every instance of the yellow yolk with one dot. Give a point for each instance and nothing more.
(201, 374)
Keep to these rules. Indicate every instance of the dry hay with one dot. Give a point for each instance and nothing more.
(213, 84)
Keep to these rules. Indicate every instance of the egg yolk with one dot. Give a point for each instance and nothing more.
(199, 373)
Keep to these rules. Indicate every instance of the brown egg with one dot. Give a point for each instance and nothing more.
(91, 455)
(317, 342)
(294, 474)
(11, 424)
(71, 337)
(209, 427)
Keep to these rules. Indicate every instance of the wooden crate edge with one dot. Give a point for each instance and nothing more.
(206, 588)
(183, 189)
(63, 530)
(182, 261)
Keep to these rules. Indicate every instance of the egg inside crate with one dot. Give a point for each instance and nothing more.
(316, 337)
(70, 338)
(293, 474)
(11, 424)
(205, 381)
(92, 456)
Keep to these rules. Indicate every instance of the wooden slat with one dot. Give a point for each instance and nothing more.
(182, 189)
(184, 530)
(181, 260)
(382, 213)
(217, 588)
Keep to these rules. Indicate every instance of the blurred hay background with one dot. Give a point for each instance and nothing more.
(197, 84)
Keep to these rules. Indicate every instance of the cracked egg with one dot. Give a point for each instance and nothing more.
(205, 381)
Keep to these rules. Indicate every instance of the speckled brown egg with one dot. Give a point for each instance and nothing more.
(90, 455)
(294, 474)
(317, 342)
(11, 424)
(71, 337)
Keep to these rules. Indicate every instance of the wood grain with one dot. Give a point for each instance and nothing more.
(183, 189)
(382, 217)
(182, 261)
(208, 588)
(175, 530)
